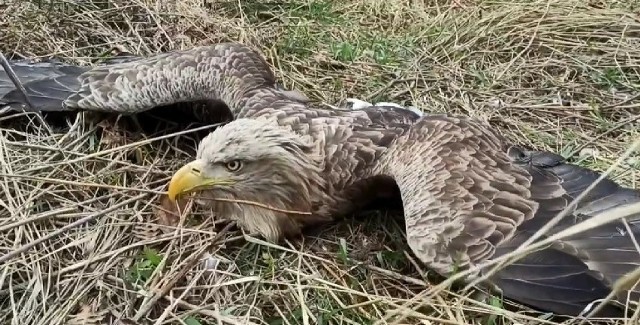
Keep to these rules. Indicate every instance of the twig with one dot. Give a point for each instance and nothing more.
(45, 215)
(396, 275)
(16, 81)
(23, 91)
(96, 185)
(258, 204)
(165, 289)
(621, 103)
(605, 133)
(172, 305)
(386, 87)
(120, 148)
(625, 283)
(77, 223)
(206, 312)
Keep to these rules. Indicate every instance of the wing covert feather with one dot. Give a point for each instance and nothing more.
(453, 175)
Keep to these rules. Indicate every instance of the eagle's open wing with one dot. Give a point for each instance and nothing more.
(469, 197)
(229, 73)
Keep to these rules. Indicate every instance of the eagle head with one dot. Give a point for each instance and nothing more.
(254, 161)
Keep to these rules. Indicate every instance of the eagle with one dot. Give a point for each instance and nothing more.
(468, 195)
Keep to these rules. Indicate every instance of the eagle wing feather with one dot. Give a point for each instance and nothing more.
(470, 197)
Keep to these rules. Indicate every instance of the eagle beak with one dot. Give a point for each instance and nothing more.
(187, 179)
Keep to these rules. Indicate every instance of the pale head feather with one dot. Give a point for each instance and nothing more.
(279, 169)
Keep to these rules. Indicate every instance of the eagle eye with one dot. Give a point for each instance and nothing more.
(233, 165)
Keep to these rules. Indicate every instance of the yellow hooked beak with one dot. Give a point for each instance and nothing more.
(190, 178)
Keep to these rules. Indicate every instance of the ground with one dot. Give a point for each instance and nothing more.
(558, 75)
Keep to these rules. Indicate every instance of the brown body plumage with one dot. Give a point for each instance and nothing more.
(468, 195)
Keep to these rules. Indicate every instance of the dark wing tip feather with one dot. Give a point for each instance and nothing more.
(561, 279)
(47, 84)
(604, 253)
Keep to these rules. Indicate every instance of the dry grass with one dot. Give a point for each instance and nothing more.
(559, 75)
